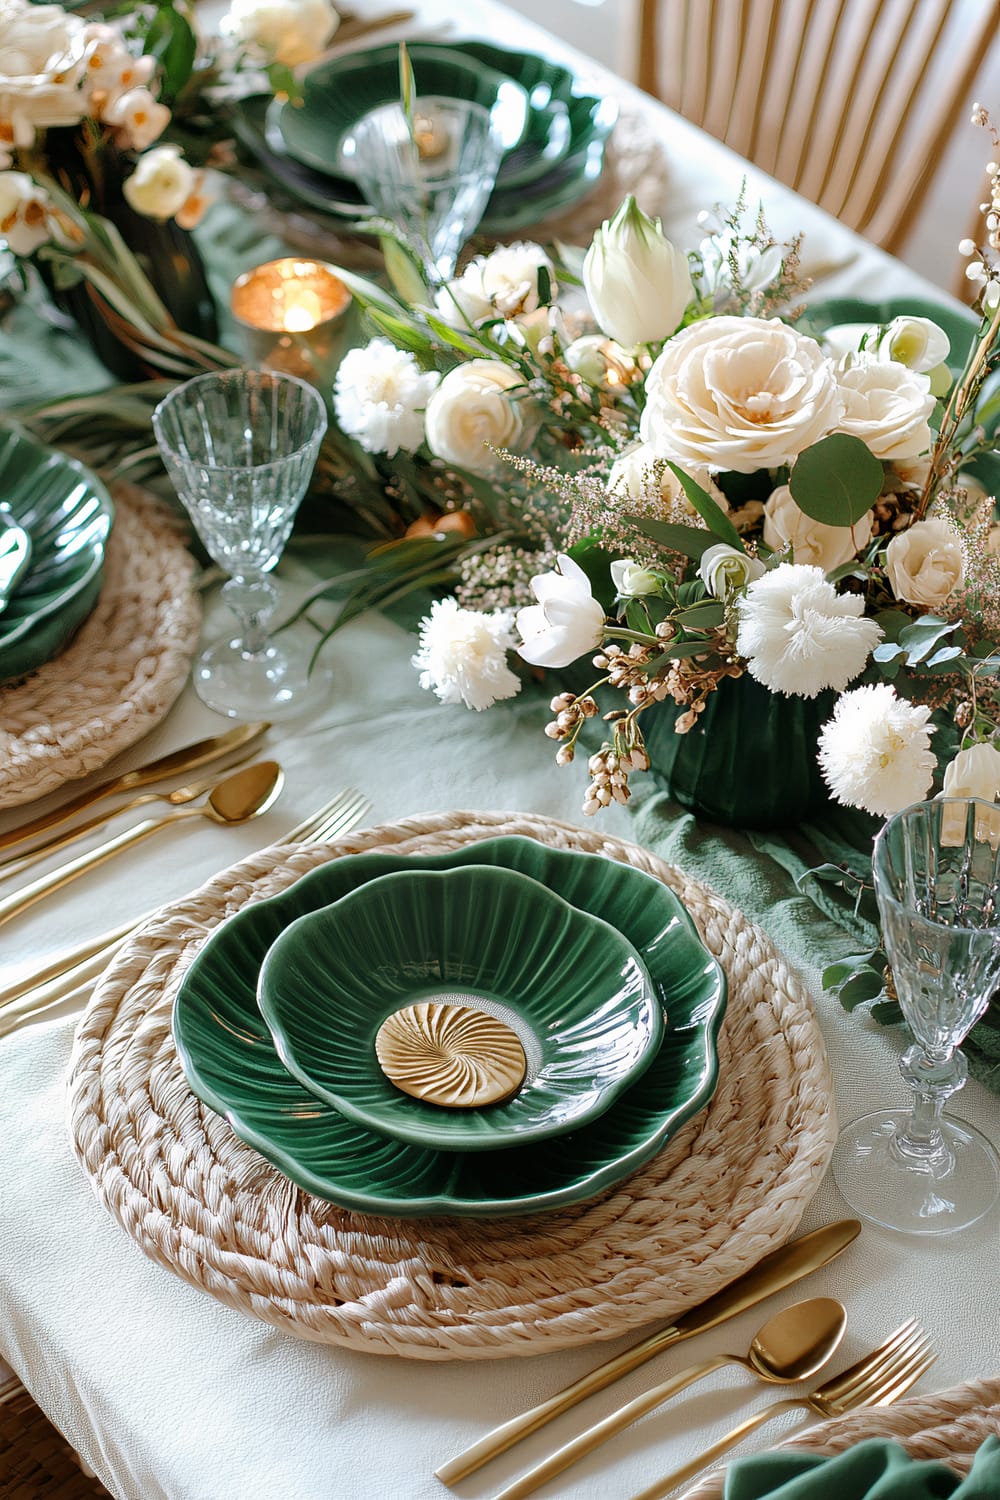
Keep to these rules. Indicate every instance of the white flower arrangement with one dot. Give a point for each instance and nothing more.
(717, 487)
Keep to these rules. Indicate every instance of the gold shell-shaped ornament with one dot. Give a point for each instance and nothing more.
(450, 1055)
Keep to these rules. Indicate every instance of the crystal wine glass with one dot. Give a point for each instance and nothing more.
(434, 180)
(937, 879)
(240, 447)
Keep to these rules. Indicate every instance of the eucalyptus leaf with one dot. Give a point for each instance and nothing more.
(171, 40)
(923, 635)
(702, 616)
(836, 973)
(837, 480)
(864, 986)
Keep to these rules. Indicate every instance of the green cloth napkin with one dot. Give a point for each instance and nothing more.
(873, 1470)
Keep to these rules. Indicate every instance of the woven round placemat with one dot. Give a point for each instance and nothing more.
(123, 669)
(729, 1187)
(947, 1425)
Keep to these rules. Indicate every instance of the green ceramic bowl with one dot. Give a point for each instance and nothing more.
(572, 989)
(231, 1063)
(67, 512)
(335, 95)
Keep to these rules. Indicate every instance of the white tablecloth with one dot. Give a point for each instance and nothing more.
(171, 1396)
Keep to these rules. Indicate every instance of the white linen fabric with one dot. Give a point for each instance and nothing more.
(167, 1394)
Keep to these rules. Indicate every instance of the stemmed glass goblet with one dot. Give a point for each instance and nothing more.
(937, 880)
(240, 447)
(432, 175)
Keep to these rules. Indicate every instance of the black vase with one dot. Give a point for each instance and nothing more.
(167, 254)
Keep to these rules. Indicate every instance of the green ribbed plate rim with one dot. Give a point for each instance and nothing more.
(231, 1064)
(570, 986)
(67, 512)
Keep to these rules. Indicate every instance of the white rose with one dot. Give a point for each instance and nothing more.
(638, 475)
(42, 72)
(566, 622)
(470, 412)
(637, 283)
(824, 547)
(138, 117)
(24, 213)
(886, 406)
(973, 773)
(739, 393)
(161, 183)
(723, 569)
(631, 581)
(924, 563)
(289, 31)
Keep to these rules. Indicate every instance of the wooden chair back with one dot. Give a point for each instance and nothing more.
(850, 102)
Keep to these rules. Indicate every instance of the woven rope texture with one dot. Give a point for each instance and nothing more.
(121, 672)
(731, 1186)
(947, 1425)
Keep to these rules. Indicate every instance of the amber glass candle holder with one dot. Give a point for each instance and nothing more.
(291, 314)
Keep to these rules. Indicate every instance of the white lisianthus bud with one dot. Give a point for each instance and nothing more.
(637, 283)
(723, 569)
(631, 581)
(288, 31)
(161, 183)
(566, 622)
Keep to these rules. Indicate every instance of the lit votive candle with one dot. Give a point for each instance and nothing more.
(289, 311)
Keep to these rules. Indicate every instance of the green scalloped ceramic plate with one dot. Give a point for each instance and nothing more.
(557, 162)
(573, 990)
(317, 129)
(67, 512)
(230, 1061)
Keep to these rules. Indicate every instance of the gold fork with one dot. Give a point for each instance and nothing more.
(876, 1380)
(85, 963)
(15, 863)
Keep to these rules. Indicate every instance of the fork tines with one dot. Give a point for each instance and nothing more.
(886, 1372)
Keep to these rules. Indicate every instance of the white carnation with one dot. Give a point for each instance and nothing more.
(462, 655)
(875, 753)
(799, 635)
(379, 397)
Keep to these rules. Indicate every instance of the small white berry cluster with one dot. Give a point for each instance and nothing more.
(609, 770)
(979, 270)
(570, 712)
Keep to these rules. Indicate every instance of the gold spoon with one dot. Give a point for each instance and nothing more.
(792, 1345)
(236, 799)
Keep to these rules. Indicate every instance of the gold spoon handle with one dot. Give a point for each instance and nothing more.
(21, 900)
(594, 1436)
(688, 1471)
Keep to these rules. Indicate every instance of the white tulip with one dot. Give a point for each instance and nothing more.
(631, 581)
(161, 183)
(289, 31)
(637, 283)
(566, 622)
(973, 773)
(723, 569)
(471, 413)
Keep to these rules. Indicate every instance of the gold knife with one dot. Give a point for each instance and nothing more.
(201, 753)
(780, 1269)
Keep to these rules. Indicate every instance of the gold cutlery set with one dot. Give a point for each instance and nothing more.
(235, 797)
(791, 1346)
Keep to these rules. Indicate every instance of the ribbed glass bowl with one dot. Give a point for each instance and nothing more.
(230, 1061)
(571, 988)
(67, 512)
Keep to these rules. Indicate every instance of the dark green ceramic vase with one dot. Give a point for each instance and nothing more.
(750, 762)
